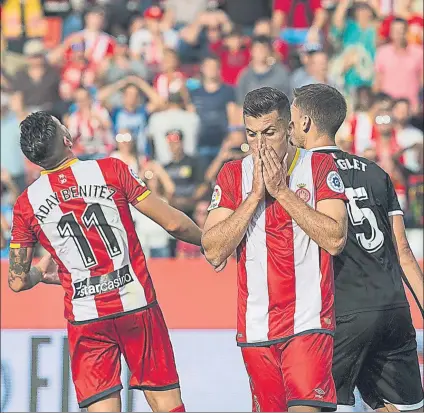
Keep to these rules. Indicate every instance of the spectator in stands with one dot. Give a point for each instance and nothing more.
(119, 94)
(214, 102)
(363, 99)
(180, 13)
(12, 159)
(170, 79)
(406, 134)
(404, 9)
(76, 72)
(363, 131)
(120, 65)
(9, 190)
(185, 171)
(204, 35)
(98, 44)
(174, 117)
(91, 127)
(150, 42)
(264, 70)
(314, 69)
(184, 250)
(299, 21)
(263, 28)
(234, 54)
(74, 20)
(399, 56)
(356, 40)
(245, 13)
(153, 238)
(38, 83)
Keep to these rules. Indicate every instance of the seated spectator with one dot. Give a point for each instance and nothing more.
(263, 70)
(98, 44)
(234, 54)
(185, 171)
(38, 83)
(299, 21)
(314, 69)
(91, 127)
(150, 42)
(185, 250)
(214, 102)
(399, 57)
(204, 35)
(170, 79)
(406, 134)
(174, 117)
(263, 28)
(404, 9)
(76, 72)
(121, 64)
(356, 38)
(12, 159)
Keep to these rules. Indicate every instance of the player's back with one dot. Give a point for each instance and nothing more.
(368, 274)
(80, 214)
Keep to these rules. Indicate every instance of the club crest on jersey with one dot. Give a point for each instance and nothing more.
(335, 183)
(62, 178)
(303, 193)
(216, 198)
(136, 177)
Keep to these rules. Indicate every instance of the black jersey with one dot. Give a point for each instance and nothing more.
(368, 275)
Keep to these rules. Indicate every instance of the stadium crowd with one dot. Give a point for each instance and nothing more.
(160, 85)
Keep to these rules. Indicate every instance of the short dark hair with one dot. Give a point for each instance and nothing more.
(211, 56)
(39, 137)
(402, 100)
(324, 104)
(264, 40)
(266, 100)
(400, 20)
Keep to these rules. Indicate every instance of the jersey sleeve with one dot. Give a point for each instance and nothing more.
(328, 183)
(224, 192)
(22, 234)
(133, 188)
(393, 202)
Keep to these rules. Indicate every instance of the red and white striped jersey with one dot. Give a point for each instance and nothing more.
(80, 214)
(285, 280)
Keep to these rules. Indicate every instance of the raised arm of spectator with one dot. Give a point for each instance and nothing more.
(339, 16)
(155, 102)
(106, 91)
(8, 182)
(320, 20)
(163, 178)
(190, 33)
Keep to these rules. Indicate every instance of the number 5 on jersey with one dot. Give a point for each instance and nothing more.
(359, 215)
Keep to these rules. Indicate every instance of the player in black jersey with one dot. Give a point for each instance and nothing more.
(375, 345)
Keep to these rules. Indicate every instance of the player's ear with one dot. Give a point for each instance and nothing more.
(306, 123)
(67, 141)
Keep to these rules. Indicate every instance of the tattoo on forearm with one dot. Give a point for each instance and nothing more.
(19, 265)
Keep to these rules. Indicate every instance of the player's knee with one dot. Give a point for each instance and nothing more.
(164, 401)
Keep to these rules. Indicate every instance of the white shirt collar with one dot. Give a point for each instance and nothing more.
(327, 148)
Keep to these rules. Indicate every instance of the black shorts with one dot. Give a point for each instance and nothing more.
(377, 352)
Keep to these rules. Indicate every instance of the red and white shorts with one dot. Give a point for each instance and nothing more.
(96, 348)
(296, 372)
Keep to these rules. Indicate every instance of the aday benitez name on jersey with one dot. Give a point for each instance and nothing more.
(73, 192)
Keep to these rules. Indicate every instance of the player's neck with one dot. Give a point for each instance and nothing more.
(64, 161)
(291, 153)
(321, 142)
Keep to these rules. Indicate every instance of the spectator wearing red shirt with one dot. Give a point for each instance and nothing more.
(234, 53)
(301, 21)
(76, 72)
(403, 9)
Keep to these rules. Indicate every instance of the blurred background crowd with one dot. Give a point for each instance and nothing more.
(160, 85)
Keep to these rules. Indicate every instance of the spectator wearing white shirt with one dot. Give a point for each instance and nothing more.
(149, 42)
